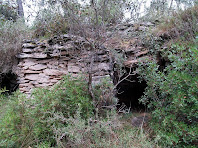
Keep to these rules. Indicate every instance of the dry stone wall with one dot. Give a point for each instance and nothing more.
(43, 63)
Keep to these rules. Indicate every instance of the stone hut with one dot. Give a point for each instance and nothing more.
(43, 63)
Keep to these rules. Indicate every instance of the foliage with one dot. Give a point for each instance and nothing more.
(104, 132)
(63, 16)
(11, 36)
(49, 23)
(109, 12)
(66, 97)
(172, 95)
(63, 100)
(7, 12)
(15, 124)
(162, 9)
(104, 92)
(182, 24)
(28, 121)
(62, 117)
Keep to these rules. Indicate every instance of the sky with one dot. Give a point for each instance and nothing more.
(31, 8)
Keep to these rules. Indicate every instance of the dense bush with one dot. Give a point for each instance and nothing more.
(15, 124)
(30, 121)
(63, 117)
(49, 23)
(172, 95)
(70, 16)
(11, 36)
(7, 12)
(104, 92)
(182, 24)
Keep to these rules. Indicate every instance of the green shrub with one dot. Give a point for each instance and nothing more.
(15, 123)
(65, 97)
(49, 23)
(27, 122)
(11, 37)
(7, 12)
(62, 117)
(64, 100)
(104, 92)
(182, 24)
(172, 95)
(104, 132)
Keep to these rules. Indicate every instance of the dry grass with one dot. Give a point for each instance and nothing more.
(112, 132)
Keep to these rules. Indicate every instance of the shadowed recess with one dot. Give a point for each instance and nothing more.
(129, 92)
(9, 82)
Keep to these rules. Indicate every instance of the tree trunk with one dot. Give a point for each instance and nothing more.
(20, 8)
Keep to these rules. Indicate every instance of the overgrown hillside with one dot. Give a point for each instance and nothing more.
(77, 113)
(171, 93)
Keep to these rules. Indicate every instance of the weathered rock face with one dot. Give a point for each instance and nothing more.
(43, 63)
(130, 40)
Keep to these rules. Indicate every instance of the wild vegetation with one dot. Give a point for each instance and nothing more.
(63, 117)
(171, 93)
(12, 32)
(70, 114)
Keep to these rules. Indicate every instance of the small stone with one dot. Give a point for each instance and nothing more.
(130, 62)
(32, 71)
(35, 82)
(29, 45)
(39, 56)
(24, 85)
(141, 53)
(25, 89)
(54, 80)
(52, 72)
(147, 24)
(103, 66)
(24, 55)
(22, 80)
(26, 50)
(42, 85)
(20, 64)
(38, 67)
(43, 80)
(68, 37)
(32, 77)
(29, 63)
(141, 28)
(73, 69)
(44, 61)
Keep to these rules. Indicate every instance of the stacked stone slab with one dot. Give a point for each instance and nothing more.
(43, 63)
(129, 40)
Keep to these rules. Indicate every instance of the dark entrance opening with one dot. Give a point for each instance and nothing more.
(129, 92)
(9, 82)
